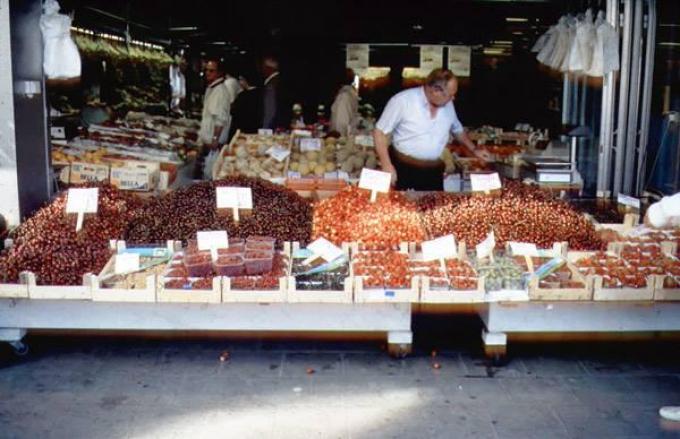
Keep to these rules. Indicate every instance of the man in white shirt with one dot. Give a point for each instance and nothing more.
(233, 89)
(215, 116)
(419, 120)
(665, 213)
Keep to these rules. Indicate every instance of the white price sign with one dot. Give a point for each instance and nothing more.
(523, 249)
(486, 247)
(294, 174)
(278, 153)
(212, 240)
(126, 263)
(629, 201)
(342, 175)
(375, 181)
(364, 140)
(440, 248)
(82, 200)
(265, 132)
(485, 182)
(234, 198)
(302, 133)
(310, 145)
(330, 175)
(325, 249)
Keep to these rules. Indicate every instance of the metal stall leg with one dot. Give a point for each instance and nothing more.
(399, 343)
(495, 346)
(14, 337)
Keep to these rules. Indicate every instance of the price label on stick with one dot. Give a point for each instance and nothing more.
(485, 182)
(375, 181)
(265, 132)
(212, 241)
(364, 140)
(629, 201)
(82, 201)
(523, 249)
(234, 197)
(310, 145)
(440, 248)
(325, 249)
(486, 247)
(302, 133)
(342, 175)
(126, 263)
(278, 153)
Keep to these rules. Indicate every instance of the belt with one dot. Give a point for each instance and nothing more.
(414, 162)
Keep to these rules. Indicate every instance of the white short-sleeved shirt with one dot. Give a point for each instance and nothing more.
(414, 132)
(665, 213)
(215, 110)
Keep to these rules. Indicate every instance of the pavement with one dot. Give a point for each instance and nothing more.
(105, 387)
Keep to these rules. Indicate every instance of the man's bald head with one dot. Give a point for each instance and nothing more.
(441, 86)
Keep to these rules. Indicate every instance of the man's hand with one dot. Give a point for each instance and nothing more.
(390, 168)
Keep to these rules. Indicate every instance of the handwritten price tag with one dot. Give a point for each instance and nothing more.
(212, 240)
(234, 198)
(629, 201)
(325, 249)
(82, 200)
(440, 248)
(523, 249)
(486, 247)
(364, 140)
(485, 182)
(278, 153)
(375, 181)
(302, 133)
(265, 132)
(126, 263)
(310, 145)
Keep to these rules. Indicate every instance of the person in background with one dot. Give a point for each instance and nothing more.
(298, 120)
(178, 85)
(345, 108)
(246, 111)
(215, 116)
(420, 121)
(367, 118)
(233, 87)
(271, 93)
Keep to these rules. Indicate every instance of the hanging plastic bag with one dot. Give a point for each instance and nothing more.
(610, 48)
(570, 40)
(561, 44)
(61, 59)
(585, 40)
(209, 163)
(596, 65)
(549, 46)
(542, 40)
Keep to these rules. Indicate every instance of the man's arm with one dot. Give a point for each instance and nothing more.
(463, 138)
(382, 143)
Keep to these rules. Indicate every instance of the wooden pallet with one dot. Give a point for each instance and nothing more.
(623, 294)
(279, 295)
(60, 292)
(213, 295)
(428, 295)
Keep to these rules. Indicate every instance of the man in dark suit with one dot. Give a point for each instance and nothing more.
(273, 102)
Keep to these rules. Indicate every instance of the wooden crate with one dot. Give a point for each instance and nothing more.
(320, 296)
(15, 291)
(279, 295)
(665, 294)
(60, 292)
(623, 294)
(213, 295)
(507, 296)
(428, 295)
(557, 294)
(101, 294)
(630, 220)
(382, 295)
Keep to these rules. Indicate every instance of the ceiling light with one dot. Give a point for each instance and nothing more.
(417, 27)
(666, 43)
(182, 28)
(502, 43)
(493, 51)
(516, 19)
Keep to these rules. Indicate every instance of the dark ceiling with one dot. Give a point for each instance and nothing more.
(265, 22)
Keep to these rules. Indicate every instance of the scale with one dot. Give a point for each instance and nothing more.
(559, 170)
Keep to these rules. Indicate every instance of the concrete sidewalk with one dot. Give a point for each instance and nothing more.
(111, 388)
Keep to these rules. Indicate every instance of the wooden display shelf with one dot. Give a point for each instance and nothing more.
(15, 291)
(665, 294)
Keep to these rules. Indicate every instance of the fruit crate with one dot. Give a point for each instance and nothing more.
(344, 295)
(664, 294)
(233, 295)
(60, 292)
(538, 293)
(187, 294)
(15, 291)
(601, 293)
(386, 295)
(429, 295)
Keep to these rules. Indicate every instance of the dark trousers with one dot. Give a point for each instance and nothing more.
(417, 175)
